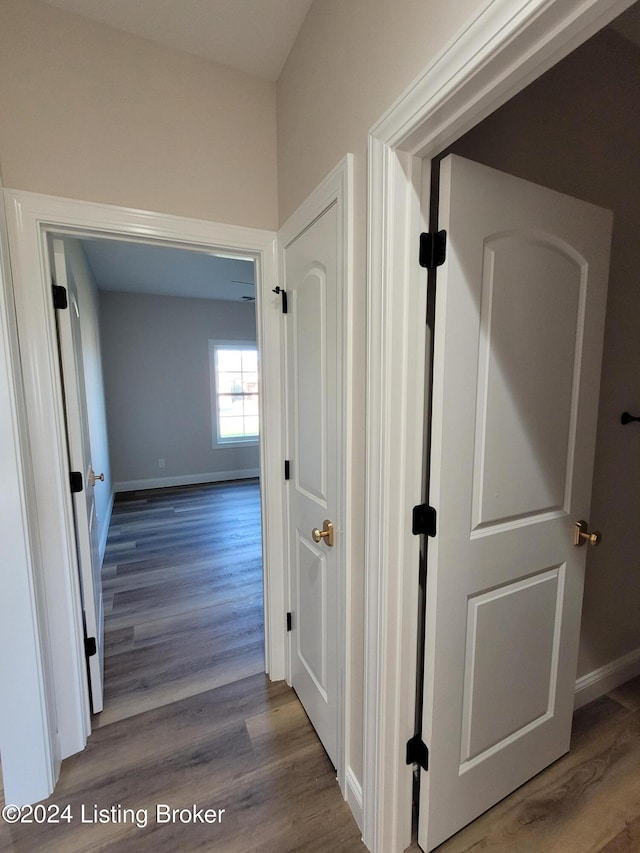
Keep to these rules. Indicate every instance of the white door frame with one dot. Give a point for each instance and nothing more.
(508, 45)
(25, 722)
(54, 577)
(336, 188)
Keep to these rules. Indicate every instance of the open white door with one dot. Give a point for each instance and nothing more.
(519, 324)
(313, 392)
(86, 528)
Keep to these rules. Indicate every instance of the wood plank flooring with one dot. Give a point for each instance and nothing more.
(246, 747)
(190, 717)
(587, 802)
(182, 593)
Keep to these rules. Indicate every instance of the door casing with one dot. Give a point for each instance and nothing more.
(507, 46)
(64, 711)
(25, 742)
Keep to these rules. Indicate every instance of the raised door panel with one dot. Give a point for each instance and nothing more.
(311, 608)
(509, 688)
(532, 295)
(310, 366)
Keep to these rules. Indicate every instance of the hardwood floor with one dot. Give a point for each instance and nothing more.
(587, 801)
(246, 747)
(190, 717)
(182, 583)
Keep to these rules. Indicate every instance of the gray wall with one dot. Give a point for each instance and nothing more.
(93, 382)
(156, 351)
(577, 130)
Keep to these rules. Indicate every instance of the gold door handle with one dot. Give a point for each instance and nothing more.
(326, 533)
(581, 535)
(93, 477)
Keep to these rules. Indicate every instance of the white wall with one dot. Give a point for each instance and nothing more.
(577, 130)
(156, 366)
(89, 112)
(93, 382)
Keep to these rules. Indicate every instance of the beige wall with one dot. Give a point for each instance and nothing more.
(350, 62)
(348, 65)
(577, 130)
(91, 113)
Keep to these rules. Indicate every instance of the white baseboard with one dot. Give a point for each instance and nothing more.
(605, 678)
(102, 544)
(353, 795)
(186, 480)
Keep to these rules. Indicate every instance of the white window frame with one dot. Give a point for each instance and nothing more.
(217, 441)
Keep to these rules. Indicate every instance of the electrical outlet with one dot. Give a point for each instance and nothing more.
(160, 463)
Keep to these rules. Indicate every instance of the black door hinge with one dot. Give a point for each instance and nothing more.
(287, 469)
(417, 752)
(433, 249)
(90, 646)
(75, 477)
(289, 621)
(284, 298)
(424, 520)
(60, 301)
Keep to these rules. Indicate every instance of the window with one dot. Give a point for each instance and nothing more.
(234, 392)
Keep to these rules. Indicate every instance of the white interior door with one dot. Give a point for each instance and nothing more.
(518, 340)
(313, 392)
(86, 528)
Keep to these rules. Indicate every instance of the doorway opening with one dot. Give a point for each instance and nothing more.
(571, 131)
(586, 146)
(64, 711)
(493, 60)
(174, 605)
(563, 132)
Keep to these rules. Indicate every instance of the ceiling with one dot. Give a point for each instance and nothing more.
(159, 270)
(250, 35)
(254, 36)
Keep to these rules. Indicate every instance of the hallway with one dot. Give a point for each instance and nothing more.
(190, 717)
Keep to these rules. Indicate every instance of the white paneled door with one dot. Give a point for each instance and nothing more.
(519, 324)
(79, 447)
(313, 394)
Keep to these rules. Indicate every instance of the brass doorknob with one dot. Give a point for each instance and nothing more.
(326, 533)
(581, 535)
(93, 477)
